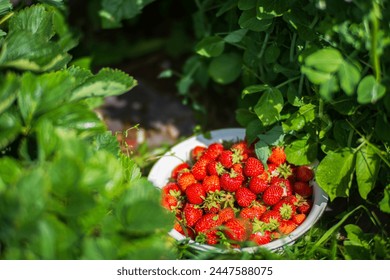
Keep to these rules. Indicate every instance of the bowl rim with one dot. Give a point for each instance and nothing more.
(159, 175)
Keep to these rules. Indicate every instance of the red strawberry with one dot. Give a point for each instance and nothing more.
(285, 208)
(231, 182)
(179, 168)
(286, 227)
(226, 158)
(244, 197)
(185, 179)
(258, 184)
(199, 169)
(197, 152)
(273, 195)
(171, 188)
(304, 206)
(213, 151)
(278, 156)
(261, 238)
(303, 189)
(187, 231)
(211, 183)
(225, 215)
(192, 213)
(284, 184)
(253, 167)
(270, 215)
(195, 193)
(237, 229)
(212, 202)
(298, 218)
(215, 168)
(206, 223)
(254, 212)
(241, 148)
(238, 169)
(304, 173)
(171, 202)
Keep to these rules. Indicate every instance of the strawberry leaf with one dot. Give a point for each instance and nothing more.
(335, 172)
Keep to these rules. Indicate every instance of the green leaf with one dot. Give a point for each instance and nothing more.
(35, 20)
(272, 137)
(210, 46)
(316, 77)
(225, 68)
(249, 20)
(40, 94)
(349, 76)
(5, 7)
(25, 51)
(246, 4)
(301, 152)
(384, 204)
(306, 114)
(341, 132)
(269, 106)
(273, 7)
(357, 245)
(369, 90)
(328, 88)
(140, 211)
(367, 169)
(244, 117)
(253, 129)
(271, 54)
(114, 11)
(108, 142)
(254, 89)
(345, 105)
(334, 173)
(235, 36)
(325, 60)
(10, 170)
(10, 127)
(8, 90)
(56, 3)
(108, 82)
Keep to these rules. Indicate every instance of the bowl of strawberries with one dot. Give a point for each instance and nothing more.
(224, 197)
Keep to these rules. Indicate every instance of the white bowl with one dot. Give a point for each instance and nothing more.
(161, 172)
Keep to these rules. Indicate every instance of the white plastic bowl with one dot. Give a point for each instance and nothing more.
(161, 171)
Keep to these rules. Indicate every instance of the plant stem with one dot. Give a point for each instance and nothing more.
(266, 38)
(374, 41)
(287, 82)
(6, 17)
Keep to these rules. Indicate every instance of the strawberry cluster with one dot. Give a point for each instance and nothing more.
(226, 195)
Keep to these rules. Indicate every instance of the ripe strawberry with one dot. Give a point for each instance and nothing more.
(284, 184)
(304, 173)
(303, 189)
(192, 213)
(237, 229)
(209, 237)
(273, 195)
(171, 203)
(278, 156)
(171, 188)
(211, 183)
(215, 168)
(179, 168)
(298, 218)
(206, 223)
(270, 215)
(181, 228)
(231, 182)
(253, 167)
(242, 149)
(244, 197)
(195, 193)
(197, 152)
(185, 179)
(225, 215)
(254, 212)
(261, 238)
(304, 206)
(272, 170)
(213, 151)
(238, 169)
(285, 208)
(286, 227)
(258, 184)
(212, 202)
(226, 158)
(199, 169)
